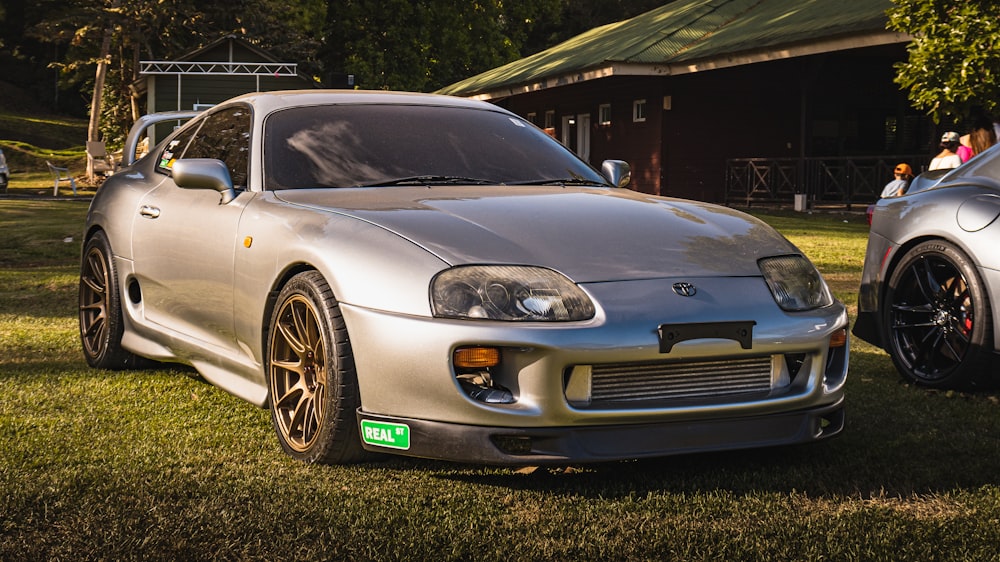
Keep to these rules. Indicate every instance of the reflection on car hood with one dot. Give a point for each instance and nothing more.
(590, 234)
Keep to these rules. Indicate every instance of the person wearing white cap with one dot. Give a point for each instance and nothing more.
(948, 157)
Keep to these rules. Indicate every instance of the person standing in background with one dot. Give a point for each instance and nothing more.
(948, 157)
(965, 148)
(982, 137)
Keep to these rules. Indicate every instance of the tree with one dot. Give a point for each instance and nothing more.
(93, 129)
(104, 40)
(422, 45)
(574, 17)
(953, 69)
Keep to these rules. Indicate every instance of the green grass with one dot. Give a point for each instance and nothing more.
(29, 140)
(159, 465)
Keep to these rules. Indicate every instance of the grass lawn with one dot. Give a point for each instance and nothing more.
(159, 465)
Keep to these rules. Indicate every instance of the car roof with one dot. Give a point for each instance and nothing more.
(269, 101)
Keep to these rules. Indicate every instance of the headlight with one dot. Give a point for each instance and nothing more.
(506, 292)
(795, 283)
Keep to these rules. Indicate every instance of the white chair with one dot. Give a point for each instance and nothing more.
(58, 175)
(100, 161)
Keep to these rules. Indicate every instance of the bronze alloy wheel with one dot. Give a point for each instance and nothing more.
(298, 373)
(101, 322)
(311, 378)
(937, 320)
(93, 302)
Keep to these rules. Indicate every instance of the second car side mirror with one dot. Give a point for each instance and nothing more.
(204, 173)
(618, 172)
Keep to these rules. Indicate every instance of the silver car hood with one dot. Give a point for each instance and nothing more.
(590, 234)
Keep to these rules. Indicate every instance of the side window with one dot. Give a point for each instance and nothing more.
(225, 135)
(174, 149)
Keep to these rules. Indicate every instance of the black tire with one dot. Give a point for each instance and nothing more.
(311, 379)
(936, 318)
(101, 322)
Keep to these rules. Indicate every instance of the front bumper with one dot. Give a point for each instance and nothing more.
(564, 445)
(605, 389)
(404, 363)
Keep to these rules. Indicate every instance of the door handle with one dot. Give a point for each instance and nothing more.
(149, 212)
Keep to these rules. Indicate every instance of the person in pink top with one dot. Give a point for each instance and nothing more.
(981, 138)
(965, 148)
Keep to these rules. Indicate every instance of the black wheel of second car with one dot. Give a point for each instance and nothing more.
(311, 377)
(936, 317)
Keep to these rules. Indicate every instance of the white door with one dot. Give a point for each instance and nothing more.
(583, 136)
(569, 132)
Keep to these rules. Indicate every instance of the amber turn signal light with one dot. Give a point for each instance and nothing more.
(839, 338)
(477, 357)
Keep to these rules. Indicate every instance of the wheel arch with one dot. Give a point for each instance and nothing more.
(992, 291)
(279, 282)
(91, 231)
(904, 249)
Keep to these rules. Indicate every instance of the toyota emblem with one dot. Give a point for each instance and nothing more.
(685, 289)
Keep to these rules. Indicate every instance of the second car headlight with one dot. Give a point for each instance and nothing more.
(795, 283)
(508, 292)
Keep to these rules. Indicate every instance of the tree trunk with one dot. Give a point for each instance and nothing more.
(94, 129)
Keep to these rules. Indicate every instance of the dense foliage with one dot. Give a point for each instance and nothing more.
(424, 45)
(953, 71)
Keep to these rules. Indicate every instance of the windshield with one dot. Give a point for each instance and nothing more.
(369, 145)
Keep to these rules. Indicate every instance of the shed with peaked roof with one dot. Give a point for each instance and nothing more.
(222, 69)
(685, 89)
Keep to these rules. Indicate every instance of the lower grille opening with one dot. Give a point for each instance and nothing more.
(794, 362)
(672, 382)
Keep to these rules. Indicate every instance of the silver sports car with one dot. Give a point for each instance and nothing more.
(437, 277)
(931, 280)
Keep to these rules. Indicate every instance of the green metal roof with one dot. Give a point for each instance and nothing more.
(677, 36)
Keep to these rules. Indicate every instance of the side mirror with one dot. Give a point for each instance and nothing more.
(618, 172)
(204, 173)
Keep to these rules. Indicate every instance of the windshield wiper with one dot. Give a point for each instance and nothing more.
(560, 181)
(429, 180)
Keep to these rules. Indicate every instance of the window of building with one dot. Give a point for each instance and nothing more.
(533, 118)
(639, 110)
(604, 114)
(550, 119)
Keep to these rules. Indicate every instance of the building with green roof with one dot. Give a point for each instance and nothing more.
(685, 90)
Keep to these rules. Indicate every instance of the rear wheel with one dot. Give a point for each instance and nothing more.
(101, 322)
(937, 317)
(311, 377)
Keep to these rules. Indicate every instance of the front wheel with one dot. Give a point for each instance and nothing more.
(311, 377)
(936, 317)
